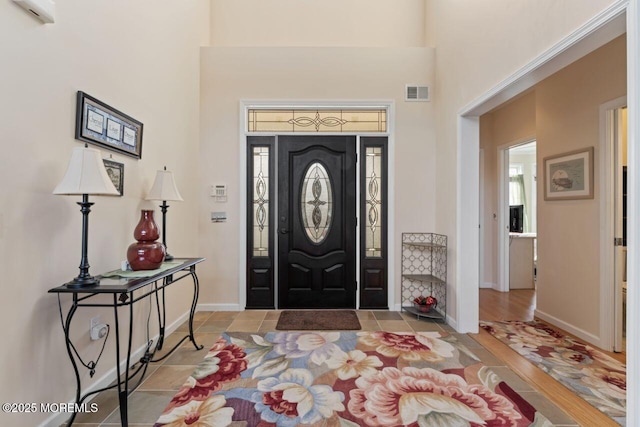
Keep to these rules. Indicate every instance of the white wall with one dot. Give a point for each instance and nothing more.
(473, 55)
(142, 60)
(231, 74)
(362, 23)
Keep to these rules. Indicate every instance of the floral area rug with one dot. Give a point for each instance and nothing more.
(591, 374)
(345, 379)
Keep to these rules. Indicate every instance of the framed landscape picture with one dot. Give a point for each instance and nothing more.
(98, 123)
(569, 175)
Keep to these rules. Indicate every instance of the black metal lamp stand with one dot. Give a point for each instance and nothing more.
(164, 189)
(84, 278)
(163, 207)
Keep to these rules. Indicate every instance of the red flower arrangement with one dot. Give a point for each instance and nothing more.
(425, 304)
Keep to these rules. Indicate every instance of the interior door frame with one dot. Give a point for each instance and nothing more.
(503, 211)
(502, 284)
(389, 106)
(613, 21)
(601, 29)
(481, 192)
(611, 318)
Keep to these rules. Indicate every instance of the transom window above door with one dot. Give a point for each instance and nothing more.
(317, 120)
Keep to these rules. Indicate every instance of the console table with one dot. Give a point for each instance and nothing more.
(125, 292)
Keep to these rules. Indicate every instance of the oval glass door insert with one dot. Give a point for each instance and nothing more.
(316, 202)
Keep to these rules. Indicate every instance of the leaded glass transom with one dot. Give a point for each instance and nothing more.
(373, 185)
(260, 201)
(316, 120)
(316, 202)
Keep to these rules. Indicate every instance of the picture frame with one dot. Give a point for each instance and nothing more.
(100, 124)
(569, 176)
(115, 170)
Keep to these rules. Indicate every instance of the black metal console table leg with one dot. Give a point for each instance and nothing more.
(194, 303)
(191, 337)
(161, 320)
(129, 345)
(122, 393)
(67, 338)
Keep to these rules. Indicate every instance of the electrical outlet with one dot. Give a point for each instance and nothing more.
(98, 329)
(95, 321)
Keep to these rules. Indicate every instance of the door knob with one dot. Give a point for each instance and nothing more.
(284, 231)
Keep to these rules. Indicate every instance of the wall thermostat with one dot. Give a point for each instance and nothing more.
(219, 191)
(44, 10)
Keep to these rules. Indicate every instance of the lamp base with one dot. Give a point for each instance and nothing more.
(81, 282)
(168, 257)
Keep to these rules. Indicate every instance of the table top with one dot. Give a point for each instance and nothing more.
(523, 235)
(116, 285)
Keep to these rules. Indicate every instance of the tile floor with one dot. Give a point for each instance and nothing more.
(163, 379)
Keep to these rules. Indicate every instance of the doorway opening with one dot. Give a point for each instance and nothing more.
(522, 204)
(585, 39)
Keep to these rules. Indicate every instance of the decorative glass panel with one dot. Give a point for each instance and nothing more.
(317, 120)
(260, 199)
(373, 185)
(316, 202)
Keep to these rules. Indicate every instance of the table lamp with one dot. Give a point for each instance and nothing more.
(164, 188)
(85, 175)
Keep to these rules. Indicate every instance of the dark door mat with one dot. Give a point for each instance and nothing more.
(318, 320)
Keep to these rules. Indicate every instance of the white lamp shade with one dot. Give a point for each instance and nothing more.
(86, 174)
(164, 187)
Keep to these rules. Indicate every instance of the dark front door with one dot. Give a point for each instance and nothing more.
(316, 221)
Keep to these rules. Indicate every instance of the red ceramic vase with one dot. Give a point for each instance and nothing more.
(146, 253)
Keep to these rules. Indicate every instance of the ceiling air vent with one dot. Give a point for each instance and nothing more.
(417, 93)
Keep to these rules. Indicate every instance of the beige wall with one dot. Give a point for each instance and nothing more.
(231, 74)
(510, 124)
(563, 114)
(362, 23)
(474, 55)
(141, 60)
(568, 119)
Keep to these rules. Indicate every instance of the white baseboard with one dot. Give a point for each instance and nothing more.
(488, 285)
(56, 420)
(219, 307)
(452, 322)
(588, 337)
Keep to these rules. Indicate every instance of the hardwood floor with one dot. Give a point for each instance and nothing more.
(520, 305)
(517, 304)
